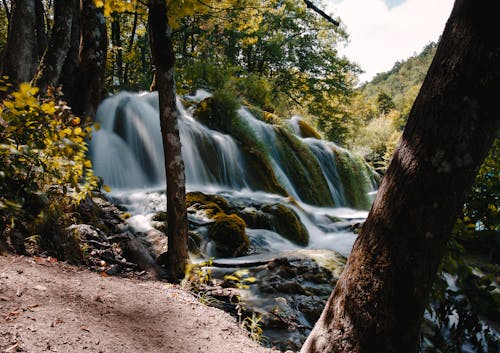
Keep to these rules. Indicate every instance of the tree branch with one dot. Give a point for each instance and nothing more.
(313, 7)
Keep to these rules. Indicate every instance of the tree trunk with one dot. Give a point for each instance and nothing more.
(92, 67)
(50, 68)
(163, 58)
(41, 28)
(21, 56)
(131, 45)
(378, 303)
(70, 68)
(117, 47)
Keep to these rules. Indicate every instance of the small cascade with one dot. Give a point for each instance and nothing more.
(324, 152)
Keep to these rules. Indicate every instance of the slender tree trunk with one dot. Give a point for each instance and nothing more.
(92, 67)
(117, 44)
(71, 64)
(41, 28)
(50, 68)
(378, 303)
(164, 59)
(131, 45)
(21, 56)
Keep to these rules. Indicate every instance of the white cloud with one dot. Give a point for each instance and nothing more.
(380, 36)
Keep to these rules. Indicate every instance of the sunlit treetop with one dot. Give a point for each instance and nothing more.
(179, 9)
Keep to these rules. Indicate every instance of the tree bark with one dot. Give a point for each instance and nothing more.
(164, 60)
(50, 68)
(21, 56)
(41, 28)
(378, 303)
(117, 47)
(70, 68)
(92, 66)
(131, 45)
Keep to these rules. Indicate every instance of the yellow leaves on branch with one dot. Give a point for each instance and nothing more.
(117, 6)
(249, 19)
(43, 137)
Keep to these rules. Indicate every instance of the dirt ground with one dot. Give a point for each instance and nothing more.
(48, 306)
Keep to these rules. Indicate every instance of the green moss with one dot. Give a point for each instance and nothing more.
(355, 176)
(228, 233)
(218, 112)
(303, 169)
(260, 173)
(307, 130)
(287, 223)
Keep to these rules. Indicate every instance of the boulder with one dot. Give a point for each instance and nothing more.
(228, 233)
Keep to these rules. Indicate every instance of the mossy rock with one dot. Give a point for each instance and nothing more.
(287, 223)
(307, 130)
(228, 233)
(355, 175)
(210, 204)
(261, 174)
(303, 169)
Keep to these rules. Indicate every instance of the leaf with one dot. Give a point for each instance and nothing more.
(106, 188)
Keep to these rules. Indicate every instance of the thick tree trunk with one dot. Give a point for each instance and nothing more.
(21, 55)
(163, 58)
(92, 67)
(378, 303)
(41, 28)
(50, 68)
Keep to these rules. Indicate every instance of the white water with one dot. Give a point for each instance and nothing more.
(127, 153)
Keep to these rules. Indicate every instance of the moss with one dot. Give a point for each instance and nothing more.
(355, 176)
(218, 112)
(303, 169)
(307, 130)
(287, 223)
(228, 233)
(210, 204)
(260, 173)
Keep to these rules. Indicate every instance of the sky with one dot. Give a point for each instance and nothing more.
(382, 32)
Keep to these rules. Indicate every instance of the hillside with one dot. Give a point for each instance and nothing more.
(379, 110)
(403, 81)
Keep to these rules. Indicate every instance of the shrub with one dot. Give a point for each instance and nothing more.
(42, 153)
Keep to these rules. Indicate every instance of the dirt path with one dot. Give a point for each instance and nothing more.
(53, 307)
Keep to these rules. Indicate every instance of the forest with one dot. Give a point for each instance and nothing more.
(165, 161)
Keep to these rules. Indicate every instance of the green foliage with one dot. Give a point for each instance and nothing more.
(478, 228)
(42, 147)
(282, 59)
(473, 259)
(385, 103)
(378, 112)
(219, 111)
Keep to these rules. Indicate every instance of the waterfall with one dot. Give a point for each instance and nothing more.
(127, 153)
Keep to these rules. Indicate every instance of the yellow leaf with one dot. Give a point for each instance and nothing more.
(106, 188)
(87, 164)
(49, 108)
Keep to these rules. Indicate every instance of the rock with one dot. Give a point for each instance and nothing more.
(154, 241)
(287, 223)
(228, 233)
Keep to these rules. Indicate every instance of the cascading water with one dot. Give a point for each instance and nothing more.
(313, 193)
(320, 187)
(127, 153)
